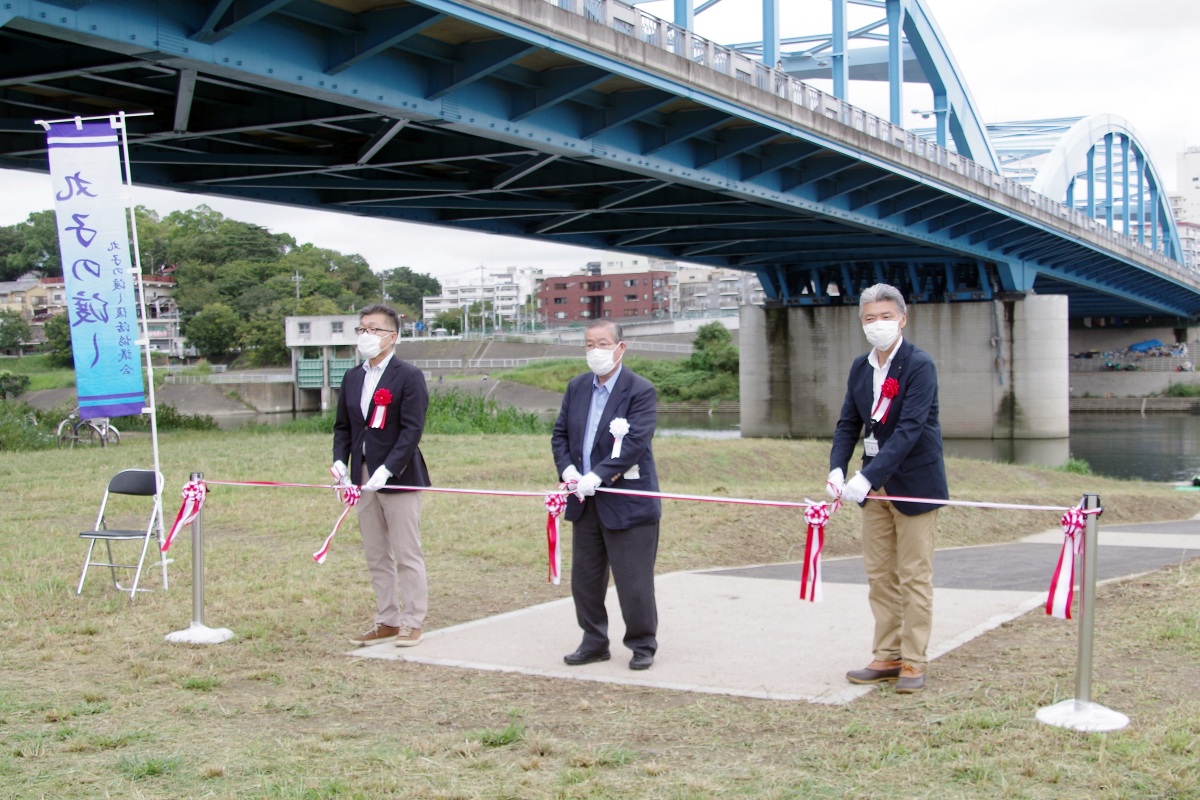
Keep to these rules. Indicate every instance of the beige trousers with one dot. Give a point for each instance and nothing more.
(391, 532)
(898, 559)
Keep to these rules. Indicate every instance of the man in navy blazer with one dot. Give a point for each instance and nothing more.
(602, 439)
(380, 418)
(892, 398)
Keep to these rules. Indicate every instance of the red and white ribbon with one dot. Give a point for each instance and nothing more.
(378, 417)
(816, 515)
(555, 503)
(193, 500)
(348, 494)
(1062, 585)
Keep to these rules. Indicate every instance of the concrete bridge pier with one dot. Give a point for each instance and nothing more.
(1002, 368)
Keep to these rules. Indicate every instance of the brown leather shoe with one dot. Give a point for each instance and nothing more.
(408, 637)
(378, 634)
(911, 680)
(875, 672)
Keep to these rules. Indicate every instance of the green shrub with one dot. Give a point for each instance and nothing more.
(1183, 390)
(1076, 466)
(450, 411)
(12, 384)
(169, 419)
(455, 411)
(22, 428)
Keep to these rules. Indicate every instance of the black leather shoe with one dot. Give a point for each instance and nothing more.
(641, 661)
(581, 657)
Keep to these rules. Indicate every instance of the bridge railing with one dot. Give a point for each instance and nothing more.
(673, 38)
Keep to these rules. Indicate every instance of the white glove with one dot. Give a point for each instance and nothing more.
(571, 475)
(339, 472)
(587, 485)
(378, 480)
(855, 490)
(834, 483)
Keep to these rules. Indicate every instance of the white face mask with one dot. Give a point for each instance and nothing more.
(369, 345)
(600, 361)
(882, 333)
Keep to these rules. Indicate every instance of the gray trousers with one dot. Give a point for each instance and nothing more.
(630, 554)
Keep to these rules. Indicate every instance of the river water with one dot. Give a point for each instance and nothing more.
(1152, 447)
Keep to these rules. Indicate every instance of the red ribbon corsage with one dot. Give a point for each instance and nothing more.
(382, 398)
(887, 392)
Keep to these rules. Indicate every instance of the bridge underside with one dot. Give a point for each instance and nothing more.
(438, 113)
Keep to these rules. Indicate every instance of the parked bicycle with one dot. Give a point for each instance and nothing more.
(88, 432)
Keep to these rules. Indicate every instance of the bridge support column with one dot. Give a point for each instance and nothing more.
(1002, 367)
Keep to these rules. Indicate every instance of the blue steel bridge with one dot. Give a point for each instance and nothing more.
(595, 123)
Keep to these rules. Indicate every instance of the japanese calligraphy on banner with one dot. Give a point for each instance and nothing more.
(91, 207)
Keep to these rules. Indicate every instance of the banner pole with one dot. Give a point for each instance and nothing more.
(1079, 712)
(118, 122)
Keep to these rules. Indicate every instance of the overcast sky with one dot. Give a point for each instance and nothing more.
(1022, 59)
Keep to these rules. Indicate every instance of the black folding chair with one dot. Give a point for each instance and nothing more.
(138, 483)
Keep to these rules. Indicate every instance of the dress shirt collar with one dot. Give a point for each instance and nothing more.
(381, 366)
(873, 356)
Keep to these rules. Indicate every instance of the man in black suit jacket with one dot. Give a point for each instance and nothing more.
(602, 438)
(380, 418)
(892, 395)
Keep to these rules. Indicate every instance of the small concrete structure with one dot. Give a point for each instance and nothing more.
(1002, 367)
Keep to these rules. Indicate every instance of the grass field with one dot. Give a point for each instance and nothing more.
(94, 703)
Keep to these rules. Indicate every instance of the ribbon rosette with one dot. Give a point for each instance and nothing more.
(889, 390)
(348, 494)
(382, 399)
(816, 515)
(1062, 585)
(193, 500)
(555, 503)
(619, 427)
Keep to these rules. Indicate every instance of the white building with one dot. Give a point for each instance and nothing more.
(1186, 199)
(1189, 242)
(499, 296)
(703, 291)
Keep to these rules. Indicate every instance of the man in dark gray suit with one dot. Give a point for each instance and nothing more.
(602, 439)
(892, 395)
(380, 418)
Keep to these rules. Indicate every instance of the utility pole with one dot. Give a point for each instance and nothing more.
(296, 280)
(482, 307)
(382, 290)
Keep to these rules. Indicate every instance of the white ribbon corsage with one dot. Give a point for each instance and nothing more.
(618, 428)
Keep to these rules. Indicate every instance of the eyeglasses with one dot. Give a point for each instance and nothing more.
(375, 331)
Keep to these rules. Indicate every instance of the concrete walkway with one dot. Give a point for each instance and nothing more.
(744, 631)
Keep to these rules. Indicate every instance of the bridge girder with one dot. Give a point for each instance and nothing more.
(451, 114)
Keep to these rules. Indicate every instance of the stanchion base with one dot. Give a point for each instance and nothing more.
(1082, 715)
(200, 634)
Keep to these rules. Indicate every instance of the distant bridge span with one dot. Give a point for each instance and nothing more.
(591, 124)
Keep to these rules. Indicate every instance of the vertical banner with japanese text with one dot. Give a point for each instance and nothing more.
(91, 206)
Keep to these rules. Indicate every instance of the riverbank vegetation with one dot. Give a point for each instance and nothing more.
(708, 375)
(94, 703)
(24, 428)
(235, 281)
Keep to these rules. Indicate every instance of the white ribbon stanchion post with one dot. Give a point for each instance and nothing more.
(197, 632)
(1079, 712)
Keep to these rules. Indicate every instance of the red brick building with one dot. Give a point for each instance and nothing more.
(622, 297)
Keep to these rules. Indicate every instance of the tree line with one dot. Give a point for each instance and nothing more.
(235, 281)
